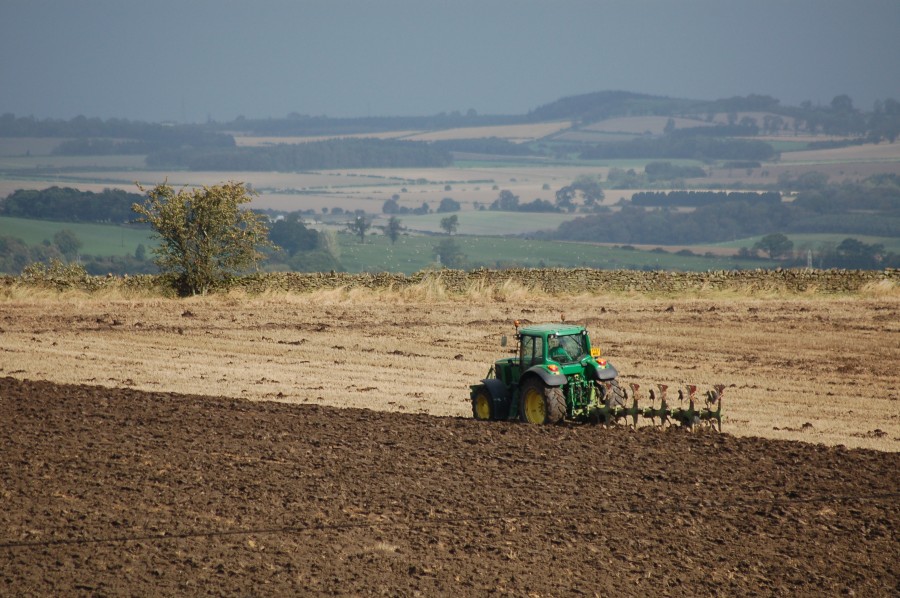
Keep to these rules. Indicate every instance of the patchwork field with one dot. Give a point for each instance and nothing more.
(135, 464)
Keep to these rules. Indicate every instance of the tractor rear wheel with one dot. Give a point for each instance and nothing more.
(615, 397)
(542, 404)
(482, 404)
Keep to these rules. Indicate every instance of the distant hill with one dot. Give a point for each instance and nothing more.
(593, 107)
(839, 118)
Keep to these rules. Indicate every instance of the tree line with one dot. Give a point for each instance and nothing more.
(700, 198)
(319, 155)
(869, 207)
(70, 205)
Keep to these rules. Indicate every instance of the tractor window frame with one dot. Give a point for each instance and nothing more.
(568, 342)
(532, 350)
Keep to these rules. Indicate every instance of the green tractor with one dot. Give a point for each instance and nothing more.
(558, 374)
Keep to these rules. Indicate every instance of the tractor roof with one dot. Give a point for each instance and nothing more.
(546, 329)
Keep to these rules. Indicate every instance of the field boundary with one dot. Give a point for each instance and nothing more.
(552, 281)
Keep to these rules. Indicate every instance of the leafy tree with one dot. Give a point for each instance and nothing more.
(853, 253)
(450, 254)
(393, 229)
(450, 224)
(391, 206)
(292, 235)
(538, 205)
(448, 204)
(14, 255)
(67, 243)
(775, 244)
(360, 226)
(587, 187)
(507, 201)
(205, 235)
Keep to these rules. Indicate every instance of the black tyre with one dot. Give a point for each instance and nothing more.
(614, 397)
(482, 404)
(542, 404)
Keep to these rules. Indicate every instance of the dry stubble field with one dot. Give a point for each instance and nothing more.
(812, 368)
(133, 465)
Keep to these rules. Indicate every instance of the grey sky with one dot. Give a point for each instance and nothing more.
(192, 59)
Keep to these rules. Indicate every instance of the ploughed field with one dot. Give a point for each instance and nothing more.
(113, 491)
(134, 463)
(814, 368)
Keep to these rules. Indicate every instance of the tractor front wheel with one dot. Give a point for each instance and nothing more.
(482, 404)
(542, 404)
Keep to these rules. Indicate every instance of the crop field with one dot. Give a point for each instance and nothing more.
(886, 152)
(412, 253)
(323, 444)
(261, 141)
(26, 146)
(514, 133)
(97, 239)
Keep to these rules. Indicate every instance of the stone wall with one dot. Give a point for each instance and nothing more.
(549, 280)
(580, 280)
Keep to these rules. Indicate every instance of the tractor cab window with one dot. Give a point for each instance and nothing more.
(532, 351)
(567, 348)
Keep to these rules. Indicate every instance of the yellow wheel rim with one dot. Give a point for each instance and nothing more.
(534, 406)
(482, 407)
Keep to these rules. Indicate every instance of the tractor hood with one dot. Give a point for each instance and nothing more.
(592, 369)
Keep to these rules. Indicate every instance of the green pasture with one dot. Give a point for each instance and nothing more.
(816, 241)
(488, 222)
(412, 253)
(98, 239)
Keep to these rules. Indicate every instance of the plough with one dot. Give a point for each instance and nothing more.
(708, 415)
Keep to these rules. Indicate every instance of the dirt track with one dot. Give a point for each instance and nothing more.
(116, 491)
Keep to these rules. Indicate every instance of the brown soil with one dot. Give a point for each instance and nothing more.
(814, 368)
(110, 491)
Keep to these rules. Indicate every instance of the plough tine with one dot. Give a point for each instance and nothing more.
(635, 410)
(711, 416)
(693, 414)
(663, 411)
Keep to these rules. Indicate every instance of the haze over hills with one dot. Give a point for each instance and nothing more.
(621, 168)
(188, 62)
